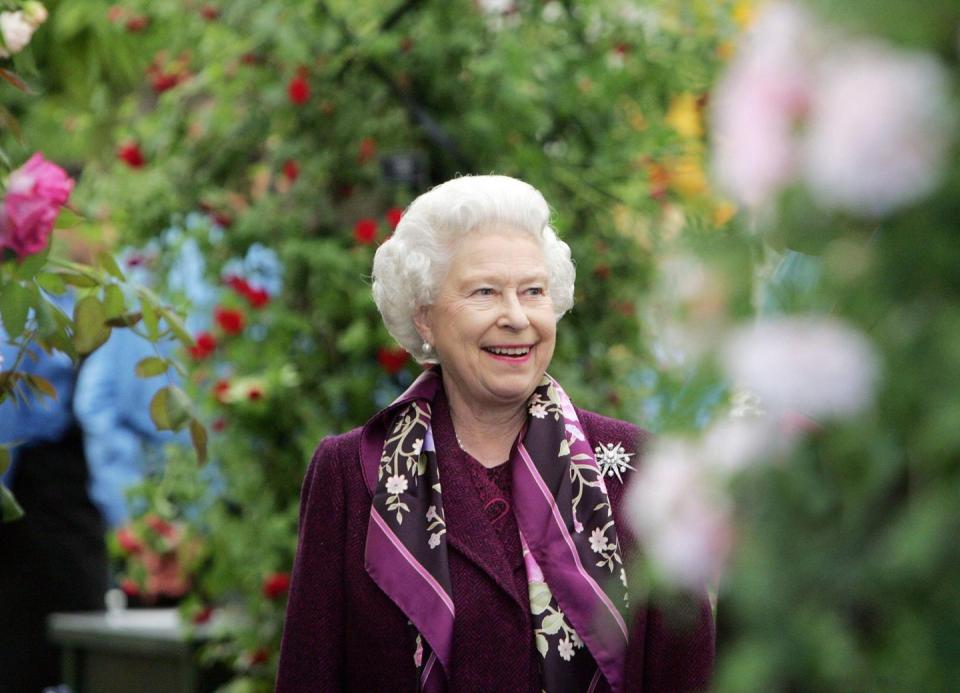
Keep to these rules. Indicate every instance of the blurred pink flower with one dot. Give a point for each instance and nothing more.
(681, 514)
(16, 31)
(812, 366)
(758, 103)
(35, 193)
(879, 128)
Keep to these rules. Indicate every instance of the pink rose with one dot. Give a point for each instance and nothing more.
(35, 193)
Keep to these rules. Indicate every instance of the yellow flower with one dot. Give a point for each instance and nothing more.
(723, 212)
(684, 116)
(687, 176)
(744, 12)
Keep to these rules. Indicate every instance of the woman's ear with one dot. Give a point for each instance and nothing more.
(421, 319)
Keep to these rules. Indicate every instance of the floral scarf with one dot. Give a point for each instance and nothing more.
(571, 552)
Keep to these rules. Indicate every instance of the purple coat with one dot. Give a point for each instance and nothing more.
(342, 633)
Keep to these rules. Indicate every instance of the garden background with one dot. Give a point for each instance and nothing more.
(761, 199)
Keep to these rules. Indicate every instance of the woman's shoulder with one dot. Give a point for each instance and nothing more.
(608, 433)
(336, 456)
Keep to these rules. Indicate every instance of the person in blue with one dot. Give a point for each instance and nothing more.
(112, 407)
(54, 558)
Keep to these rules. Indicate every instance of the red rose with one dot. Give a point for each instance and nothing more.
(219, 424)
(230, 320)
(137, 24)
(254, 393)
(257, 298)
(209, 12)
(128, 541)
(291, 169)
(365, 231)
(392, 359)
(393, 216)
(298, 90)
(129, 587)
(203, 616)
(220, 390)
(131, 155)
(259, 656)
(276, 585)
(238, 284)
(368, 150)
(160, 526)
(164, 81)
(205, 345)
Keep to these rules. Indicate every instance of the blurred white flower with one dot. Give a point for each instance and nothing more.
(732, 444)
(16, 30)
(879, 128)
(495, 6)
(552, 11)
(758, 102)
(35, 13)
(818, 367)
(680, 514)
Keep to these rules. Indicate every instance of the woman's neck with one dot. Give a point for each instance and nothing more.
(487, 434)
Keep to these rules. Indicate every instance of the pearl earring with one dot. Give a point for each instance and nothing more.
(426, 348)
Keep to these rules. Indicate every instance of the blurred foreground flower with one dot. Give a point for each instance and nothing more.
(864, 125)
(818, 367)
(681, 514)
(879, 129)
(35, 193)
(758, 103)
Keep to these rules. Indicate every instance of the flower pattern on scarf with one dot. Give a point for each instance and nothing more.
(403, 467)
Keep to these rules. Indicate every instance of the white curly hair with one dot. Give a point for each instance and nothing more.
(409, 268)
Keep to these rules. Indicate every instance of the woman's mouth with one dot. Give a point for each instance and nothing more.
(510, 354)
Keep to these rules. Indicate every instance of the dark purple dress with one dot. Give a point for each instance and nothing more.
(342, 633)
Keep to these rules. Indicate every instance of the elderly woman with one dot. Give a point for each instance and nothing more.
(470, 536)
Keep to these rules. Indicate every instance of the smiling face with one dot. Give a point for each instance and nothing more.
(492, 325)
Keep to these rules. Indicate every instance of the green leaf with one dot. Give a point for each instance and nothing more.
(41, 385)
(159, 409)
(152, 366)
(113, 301)
(198, 435)
(77, 279)
(90, 328)
(4, 459)
(552, 623)
(150, 319)
(177, 326)
(539, 597)
(542, 645)
(51, 282)
(180, 410)
(170, 408)
(125, 320)
(10, 510)
(106, 261)
(14, 306)
(30, 266)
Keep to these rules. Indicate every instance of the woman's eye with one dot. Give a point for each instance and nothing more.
(484, 291)
(535, 291)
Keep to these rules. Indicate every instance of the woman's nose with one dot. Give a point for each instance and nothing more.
(514, 316)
